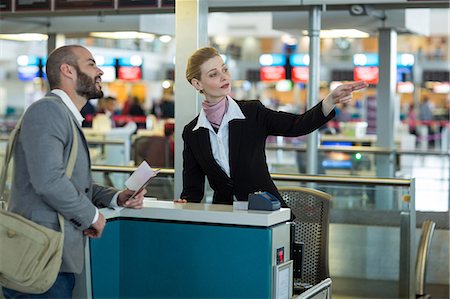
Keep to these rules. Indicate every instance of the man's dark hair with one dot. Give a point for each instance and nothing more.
(56, 58)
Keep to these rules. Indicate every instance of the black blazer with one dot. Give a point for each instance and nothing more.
(247, 140)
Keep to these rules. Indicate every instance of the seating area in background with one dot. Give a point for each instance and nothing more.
(156, 149)
(153, 149)
(310, 241)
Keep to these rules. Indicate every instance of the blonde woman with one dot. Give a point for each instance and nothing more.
(226, 141)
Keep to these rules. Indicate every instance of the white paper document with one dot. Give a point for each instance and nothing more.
(283, 276)
(240, 205)
(140, 178)
(283, 284)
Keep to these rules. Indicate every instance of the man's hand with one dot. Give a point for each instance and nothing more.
(341, 94)
(137, 202)
(96, 229)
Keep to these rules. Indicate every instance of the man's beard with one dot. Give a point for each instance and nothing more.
(86, 86)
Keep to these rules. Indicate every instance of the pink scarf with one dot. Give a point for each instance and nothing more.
(215, 111)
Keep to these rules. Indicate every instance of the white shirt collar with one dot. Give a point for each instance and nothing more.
(68, 102)
(233, 112)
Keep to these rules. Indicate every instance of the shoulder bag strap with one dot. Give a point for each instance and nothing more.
(73, 152)
(70, 165)
(8, 155)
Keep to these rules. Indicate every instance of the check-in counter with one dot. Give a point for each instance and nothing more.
(174, 250)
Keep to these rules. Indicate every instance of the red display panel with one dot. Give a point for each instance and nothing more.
(272, 73)
(368, 74)
(5, 5)
(300, 74)
(137, 3)
(23, 5)
(130, 73)
(83, 4)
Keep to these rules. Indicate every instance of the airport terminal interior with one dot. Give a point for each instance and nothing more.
(384, 160)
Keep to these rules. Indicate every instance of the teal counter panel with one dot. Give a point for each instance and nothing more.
(105, 262)
(181, 260)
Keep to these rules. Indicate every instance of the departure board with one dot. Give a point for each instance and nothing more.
(23, 5)
(5, 5)
(83, 4)
(137, 3)
(167, 3)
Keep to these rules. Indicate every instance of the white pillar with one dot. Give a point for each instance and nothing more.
(313, 84)
(386, 93)
(191, 33)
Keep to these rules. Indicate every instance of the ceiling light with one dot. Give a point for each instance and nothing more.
(366, 10)
(265, 59)
(165, 38)
(358, 10)
(166, 84)
(341, 33)
(124, 35)
(289, 40)
(222, 40)
(136, 60)
(22, 60)
(305, 59)
(99, 59)
(25, 37)
(406, 59)
(359, 59)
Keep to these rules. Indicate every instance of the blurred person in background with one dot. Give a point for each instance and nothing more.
(135, 108)
(343, 114)
(412, 120)
(164, 108)
(132, 108)
(426, 109)
(107, 106)
(426, 115)
(88, 112)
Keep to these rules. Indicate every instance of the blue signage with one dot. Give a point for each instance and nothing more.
(27, 73)
(371, 59)
(272, 60)
(134, 60)
(108, 61)
(404, 73)
(299, 60)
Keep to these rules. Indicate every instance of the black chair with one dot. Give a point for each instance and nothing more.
(156, 151)
(311, 225)
(153, 149)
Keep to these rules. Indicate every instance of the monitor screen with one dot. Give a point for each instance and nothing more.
(337, 143)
